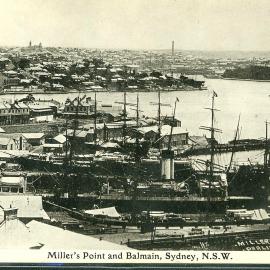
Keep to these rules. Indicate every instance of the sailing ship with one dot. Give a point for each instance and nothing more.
(195, 193)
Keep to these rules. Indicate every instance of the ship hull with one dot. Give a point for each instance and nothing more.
(107, 167)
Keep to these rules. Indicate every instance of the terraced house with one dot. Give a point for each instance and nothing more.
(14, 113)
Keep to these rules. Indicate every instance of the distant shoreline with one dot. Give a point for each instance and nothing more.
(238, 79)
(100, 91)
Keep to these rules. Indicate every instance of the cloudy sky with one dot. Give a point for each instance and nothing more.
(143, 24)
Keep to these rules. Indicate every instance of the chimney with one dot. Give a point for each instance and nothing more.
(167, 165)
(173, 48)
(10, 213)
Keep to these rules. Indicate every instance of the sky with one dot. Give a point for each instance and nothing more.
(137, 24)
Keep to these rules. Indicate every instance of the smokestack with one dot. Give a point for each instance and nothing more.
(167, 165)
(173, 48)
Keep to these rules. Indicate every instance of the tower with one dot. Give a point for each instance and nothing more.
(30, 44)
(173, 48)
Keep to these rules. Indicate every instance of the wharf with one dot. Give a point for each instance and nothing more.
(230, 238)
(225, 148)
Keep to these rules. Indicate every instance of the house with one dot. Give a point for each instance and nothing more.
(14, 113)
(13, 142)
(77, 135)
(78, 139)
(53, 148)
(13, 232)
(11, 81)
(12, 184)
(29, 206)
(7, 144)
(41, 112)
(170, 120)
(108, 131)
(112, 131)
(60, 139)
(179, 136)
(56, 144)
(35, 139)
(79, 107)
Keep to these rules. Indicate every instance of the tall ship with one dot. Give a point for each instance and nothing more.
(199, 192)
(204, 191)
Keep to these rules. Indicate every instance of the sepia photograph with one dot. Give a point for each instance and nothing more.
(135, 131)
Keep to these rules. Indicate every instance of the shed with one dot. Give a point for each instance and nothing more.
(106, 212)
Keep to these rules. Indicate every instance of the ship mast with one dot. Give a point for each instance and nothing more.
(66, 148)
(266, 161)
(266, 152)
(234, 143)
(212, 129)
(159, 119)
(95, 120)
(170, 137)
(212, 142)
(124, 114)
(125, 117)
(75, 126)
(159, 104)
(137, 152)
(137, 135)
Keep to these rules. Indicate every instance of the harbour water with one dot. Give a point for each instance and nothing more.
(249, 98)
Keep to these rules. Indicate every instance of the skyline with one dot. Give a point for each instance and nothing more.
(194, 25)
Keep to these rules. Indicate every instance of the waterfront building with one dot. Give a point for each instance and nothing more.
(41, 112)
(179, 137)
(81, 107)
(14, 113)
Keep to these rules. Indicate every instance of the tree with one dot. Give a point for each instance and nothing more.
(86, 63)
(23, 63)
(97, 62)
(156, 74)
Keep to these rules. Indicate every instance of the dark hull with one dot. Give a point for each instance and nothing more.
(108, 167)
(129, 205)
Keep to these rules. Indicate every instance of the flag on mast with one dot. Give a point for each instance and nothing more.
(215, 94)
(177, 99)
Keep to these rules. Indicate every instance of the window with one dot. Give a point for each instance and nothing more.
(14, 189)
(5, 189)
